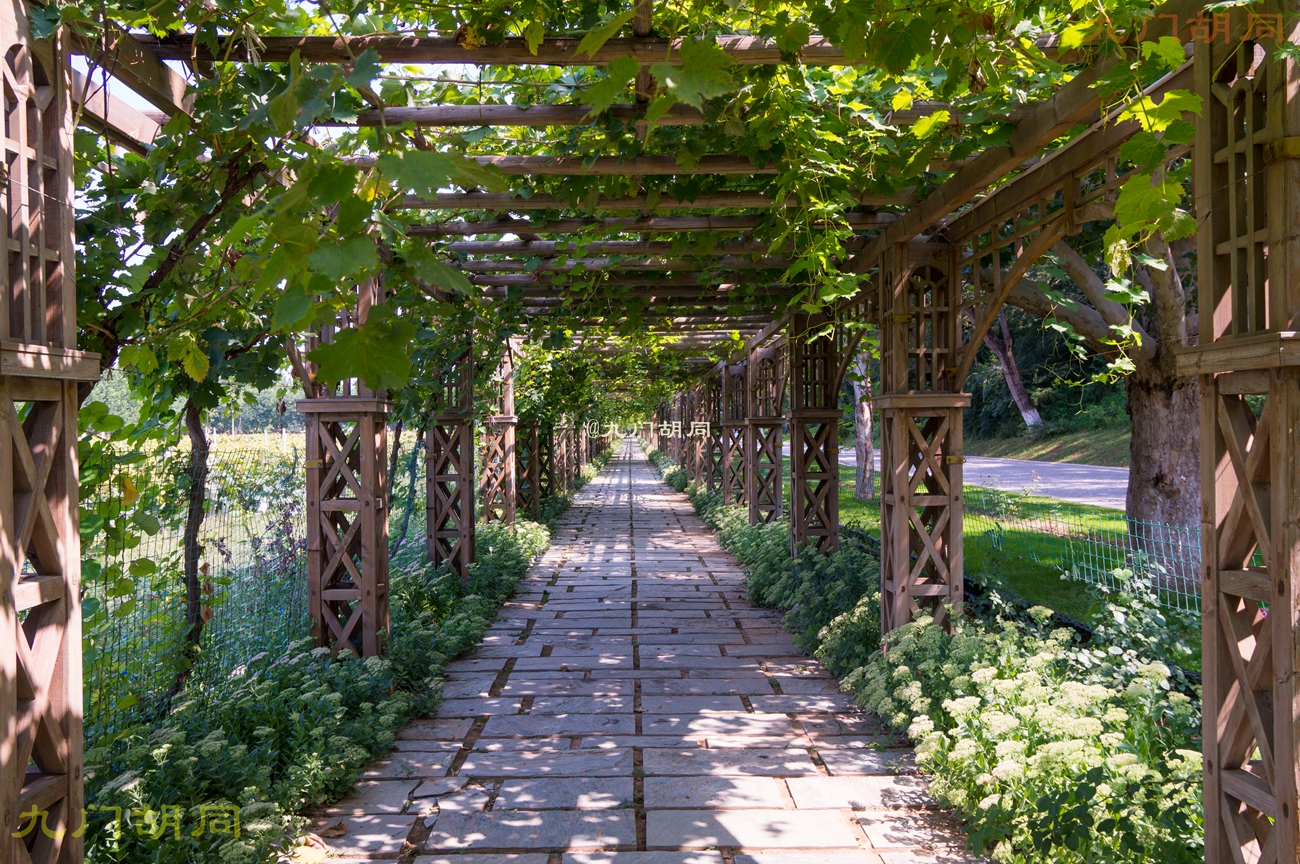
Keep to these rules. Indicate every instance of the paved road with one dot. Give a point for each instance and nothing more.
(1096, 485)
(630, 699)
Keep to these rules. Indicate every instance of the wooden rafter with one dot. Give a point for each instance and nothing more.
(726, 262)
(494, 202)
(126, 59)
(606, 166)
(556, 51)
(646, 225)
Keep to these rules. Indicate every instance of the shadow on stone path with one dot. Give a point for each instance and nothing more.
(630, 706)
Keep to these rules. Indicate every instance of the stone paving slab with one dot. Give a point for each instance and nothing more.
(630, 706)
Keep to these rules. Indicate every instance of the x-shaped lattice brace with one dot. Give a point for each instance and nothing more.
(814, 480)
(1243, 659)
(450, 492)
(339, 493)
(39, 661)
(763, 453)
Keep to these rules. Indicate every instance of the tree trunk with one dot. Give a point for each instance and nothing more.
(411, 473)
(191, 549)
(392, 461)
(864, 488)
(1002, 349)
(1164, 482)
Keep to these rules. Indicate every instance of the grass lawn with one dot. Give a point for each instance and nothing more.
(1035, 582)
(1091, 447)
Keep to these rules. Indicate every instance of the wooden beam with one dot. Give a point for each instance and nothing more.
(726, 262)
(730, 200)
(104, 112)
(605, 166)
(512, 115)
(1103, 138)
(647, 225)
(507, 280)
(597, 247)
(127, 60)
(666, 288)
(554, 51)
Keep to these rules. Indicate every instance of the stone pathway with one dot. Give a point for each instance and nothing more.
(631, 707)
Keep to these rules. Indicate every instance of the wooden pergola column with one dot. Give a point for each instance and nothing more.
(814, 437)
(498, 490)
(449, 454)
(1247, 183)
(528, 468)
(714, 454)
(563, 455)
(921, 434)
(735, 482)
(699, 444)
(40, 544)
(765, 408)
(347, 501)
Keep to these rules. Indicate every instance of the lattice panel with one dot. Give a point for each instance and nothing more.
(814, 482)
(546, 462)
(735, 386)
(921, 516)
(562, 440)
(497, 492)
(813, 365)
(449, 452)
(763, 480)
(733, 463)
(528, 468)
(1232, 153)
(40, 645)
(1249, 619)
(40, 545)
(347, 525)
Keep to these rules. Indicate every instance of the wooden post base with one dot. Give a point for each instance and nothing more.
(921, 504)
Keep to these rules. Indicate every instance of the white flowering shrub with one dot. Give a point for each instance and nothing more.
(1042, 764)
(1048, 749)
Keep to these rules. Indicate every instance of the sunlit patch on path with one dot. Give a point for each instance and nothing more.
(631, 706)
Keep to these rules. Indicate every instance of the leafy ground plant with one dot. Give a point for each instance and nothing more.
(1048, 749)
(295, 730)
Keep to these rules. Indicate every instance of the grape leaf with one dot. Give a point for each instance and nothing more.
(434, 272)
(376, 352)
(1158, 118)
(702, 75)
(596, 37)
(533, 35)
(292, 309)
(927, 126)
(618, 75)
(340, 260)
(426, 171)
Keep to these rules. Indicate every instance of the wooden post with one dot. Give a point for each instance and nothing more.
(498, 483)
(921, 431)
(699, 443)
(1247, 191)
(814, 437)
(347, 502)
(528, 468)
(449, 452)
(563, 454)
(40, 545)
(714, 456)
(546, 462)
(765, 408)
(734, 464)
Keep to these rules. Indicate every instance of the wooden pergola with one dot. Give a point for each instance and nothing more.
(936, 269)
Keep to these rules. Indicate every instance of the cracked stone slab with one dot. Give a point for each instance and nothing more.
(700, 762)
(565, 793)
(686, 793)
(554, 763)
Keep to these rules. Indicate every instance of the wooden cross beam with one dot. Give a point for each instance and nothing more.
(627, 287)
(727, 262)
(597, 247)
(104, 112)
(555, 51)
(512, 115)
(719, 200)
(605, 166)
(646, 225)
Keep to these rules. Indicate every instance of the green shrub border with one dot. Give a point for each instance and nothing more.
(294, 731)
(1047, 747)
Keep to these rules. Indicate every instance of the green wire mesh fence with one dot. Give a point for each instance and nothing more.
(251, 577)
(1102, 547)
